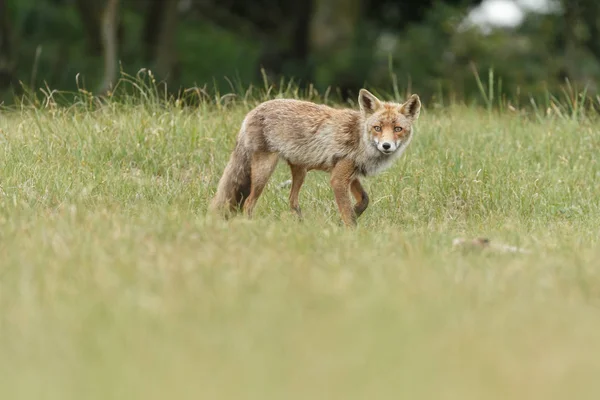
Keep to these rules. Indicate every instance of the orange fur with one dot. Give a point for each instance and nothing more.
(349, 144)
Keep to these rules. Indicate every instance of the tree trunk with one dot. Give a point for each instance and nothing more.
(166, 54)
(110, 23)
(570, 39)
(301, 37)
(88, 10)
(155, 10)
(286, 51)
(6, 61)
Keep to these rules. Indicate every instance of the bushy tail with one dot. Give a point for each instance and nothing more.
(234, 186)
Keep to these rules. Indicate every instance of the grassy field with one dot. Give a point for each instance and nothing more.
(115, 285)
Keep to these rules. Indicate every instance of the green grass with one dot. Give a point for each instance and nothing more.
(115, 285)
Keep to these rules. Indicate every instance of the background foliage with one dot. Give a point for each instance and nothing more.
(426, 46)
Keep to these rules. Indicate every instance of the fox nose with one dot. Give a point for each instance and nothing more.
(386, 146)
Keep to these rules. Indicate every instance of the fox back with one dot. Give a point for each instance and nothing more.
(317, 136)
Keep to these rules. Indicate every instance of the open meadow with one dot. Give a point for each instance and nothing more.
(114, 284)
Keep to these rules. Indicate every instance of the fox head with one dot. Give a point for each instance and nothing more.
(388, 126)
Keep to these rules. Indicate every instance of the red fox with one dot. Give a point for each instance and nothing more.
(349, 144)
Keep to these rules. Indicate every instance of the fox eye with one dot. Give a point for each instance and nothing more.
(398, 129)
(377, 128)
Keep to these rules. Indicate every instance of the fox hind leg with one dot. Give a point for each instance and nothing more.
(298, 175)
(361, 197)
(262, 166)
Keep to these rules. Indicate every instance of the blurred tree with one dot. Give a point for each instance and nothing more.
(6, 56)
(281, 27)
(333, 30)
(583, 23)
(581, 28)
(344, 35)
(89, 11)
(158, 37)
(333, 43)
(154, 11)
(165, 53)
(398, 15)
(109, 26)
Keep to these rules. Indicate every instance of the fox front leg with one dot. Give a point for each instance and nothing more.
(341, 177)
(361, 197)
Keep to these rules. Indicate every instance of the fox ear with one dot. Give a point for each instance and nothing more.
(368, 102)
(412, 107)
